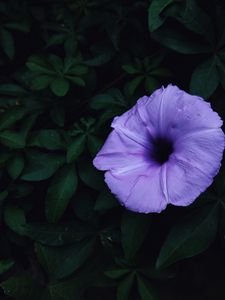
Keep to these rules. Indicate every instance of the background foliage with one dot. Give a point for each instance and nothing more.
(67, 68)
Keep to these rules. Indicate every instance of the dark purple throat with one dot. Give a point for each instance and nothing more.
(162, 149)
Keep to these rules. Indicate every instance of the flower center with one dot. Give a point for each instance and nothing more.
(162, 149)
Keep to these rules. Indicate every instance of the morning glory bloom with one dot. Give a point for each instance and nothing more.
(164, 150)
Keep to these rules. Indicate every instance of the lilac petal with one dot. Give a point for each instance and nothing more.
(202, 150)
(132, 126)
(173, 112)
(185, 182)
(193, 115)
(157, 111)
(196, 160)
(120, 153)
(121, 184)
(141, 191)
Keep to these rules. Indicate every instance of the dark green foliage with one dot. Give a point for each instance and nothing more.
(67, 69)
(59, 193)
(205, 78)
(61, 262)
(134, 229)
(190, 237)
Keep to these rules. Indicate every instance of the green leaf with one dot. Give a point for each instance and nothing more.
(151, 84)
(14, 218)
(66, 289)
(5, 265)
(195, 19)
(94, 144)
(7, 43)
(205, 79)
(146, 291)
(152, 273)
(15, 165)
(38, 65)
(77, 80)
(58, 234)
(12, 139)
(221, 71)
(36, 68)
(21, 25)
(41, 165)
(11, 116)
(13, 90)
(179, 41)
(108, 115)
(191, 236)
(155, 9)
(27, 124)
(89, 175)
(55, 39)
(57, 115)
(130, 69)
(60, 87)
(160, 72)
(3, 196)
(77, 284)
(105, 201)
(59, 193)
(78, 70)
(104, 101)
(83, 206)
(63, 261)
(99, 59)
(124, 287)
(134, 228)
(133, 84)
(70, 45)
(46, 138)
(76, 148)
(69, 63)
(56, 62)
(116, 273)
(41, 82)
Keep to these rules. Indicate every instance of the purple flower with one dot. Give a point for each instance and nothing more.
(165, 149)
